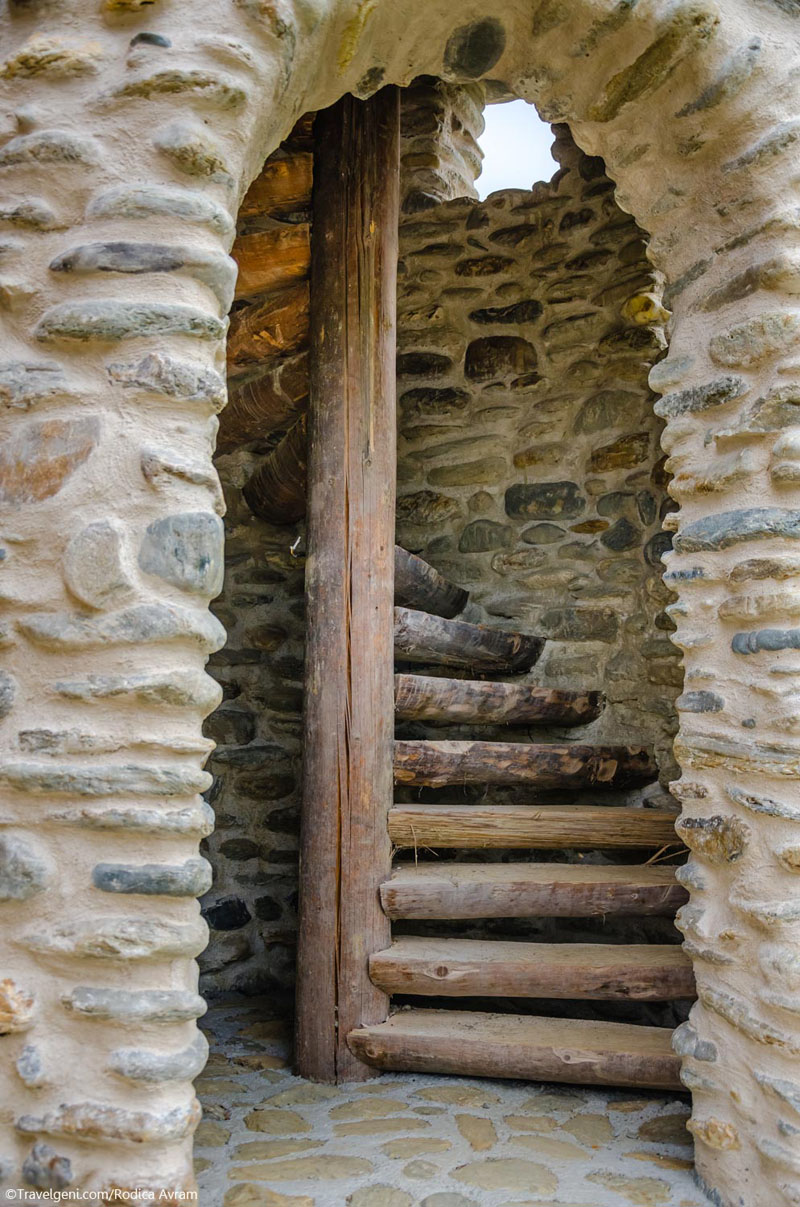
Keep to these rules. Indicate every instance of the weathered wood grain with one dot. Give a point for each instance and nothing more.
(349, 676)
(483, 702)
(276, 490)
(477, 967)
(516, 827)
(282, 188)
(269, 402)
(476, 1044)
(419, 637)
(418, 585)
(269, 258)
(547, 765)
(265, 332)
(523, 890)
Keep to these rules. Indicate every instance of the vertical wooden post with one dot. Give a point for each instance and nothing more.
(349, 702)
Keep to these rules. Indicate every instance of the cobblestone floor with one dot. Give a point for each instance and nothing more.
(269, 1139)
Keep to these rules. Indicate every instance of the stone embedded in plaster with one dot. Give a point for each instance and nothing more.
(695, 399)
(474, 49)
(109, 322)
(120, 938)
(526, 311)
(735, 73)
(33, 212)
(143, 623)
(146, 202)
(544, 500)
(24, 871)
(727, 528)
(149, 1068)
(30, 1068)
(425, 401)
(189, 147)
(716, 1133)
(183, 381)
(747, 344)
(227, 913)
(626, 452)
(93, 565)
(50, 147)
(755, 607)
(686, 1042)
(520, 561)
(777, 410)
(209, 87)
(772, 640)
(160, 468)
(483, 266)
(179, 688)
(700, 701)
(579, 624)
(213, 269)
(196, 821)
(717, 839)
(779, 273)
(621, 536)
(604, 409)
(422, 364)
(44, 1169)
(780, 139)
(8, 693)
(134, 1006)
(38, 461)
(768, 915)
(41, 779)
(17, 1008)
(23, 385)
(787, 1092)
(499, 358)
(485, 471)
(186, 550)
(189, 879)
(481, 536)
(765, 567)
(96, 1122)
(737, 1012)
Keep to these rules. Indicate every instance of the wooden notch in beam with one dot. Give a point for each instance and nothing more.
(470, 1043)
(345, 852)
(587, 971)
(547, 765)
(484, 702)
(526, 890)
(525, 827)
(418, 585)
(276, 491)
(419, 637)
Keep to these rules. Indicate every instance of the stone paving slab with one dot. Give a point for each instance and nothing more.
(270, 1139)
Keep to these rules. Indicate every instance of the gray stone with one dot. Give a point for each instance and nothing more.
(701, 398)
(734, 74)
(135, 1064)
(29, 1067)
(213, 269)
(474, 49)
(766, 639)
(717, 839)
(670, 372)
(780, 272)
(526, 311)
(621, 536)
(700, 701)
(117, 779)
(197, 820)
(23, 385)
(161, 468)
(141, 624)
(190, 879)
(544, 500)
(484, 471)
(774, 412)
(499, 358)
(729, 528)
(120, 938)
(447, 1198)
(44, 1169)
(173, 689)
(97, 1122)
(50, 147)
(754, 340)
(163, 375)
(579, 624)
(134, 1007)
(780, 139)
(481, 536)
(686, 1042)
(207, 86)
(93, 569)
(145, 203)
(109, 322)
(787, 1091)
(8, 692)
(192, 151)
(187, 551)
(34, 213)
(543, 534)
(23, 870)
(521, 561)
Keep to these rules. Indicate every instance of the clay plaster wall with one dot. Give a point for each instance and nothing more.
(142, 126)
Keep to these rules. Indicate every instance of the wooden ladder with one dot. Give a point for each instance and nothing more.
(368, 604)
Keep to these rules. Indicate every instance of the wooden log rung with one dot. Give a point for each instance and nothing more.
(470, 1043)
(484, 702)
(418, 585)
(476, 968)
(550, 765)
(524, 890)
(421, 638)
(542, 827)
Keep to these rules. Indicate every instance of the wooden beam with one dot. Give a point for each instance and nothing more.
(269, 258)
(476, 967)
(525, 890)
(518, 827)
(262, 334)
(418, 585)
(276, 491)
(550, 765)
(349, 676)
(269, 402)
(419, 637)
(469, 1043)
(479, 702)
(282, 189)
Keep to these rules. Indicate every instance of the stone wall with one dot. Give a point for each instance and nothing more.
(530, 469)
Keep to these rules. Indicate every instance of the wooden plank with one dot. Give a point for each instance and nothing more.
(542, 827)
(265, 332)
(281, 190)
(418, 585)
(269, 402)
(551, 765)
(479, 702)
(345, 853)
(524, 890)
(268, 259)
(276, 490)
(476, 967)
(419, 637)
(470, 1043)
